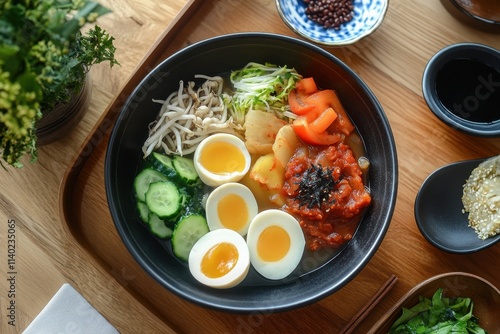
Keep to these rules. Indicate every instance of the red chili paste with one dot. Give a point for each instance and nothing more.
(324, 189)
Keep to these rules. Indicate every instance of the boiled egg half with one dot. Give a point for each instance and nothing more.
(220, 259)
(276, 243)
(221, 158)
(233, 206)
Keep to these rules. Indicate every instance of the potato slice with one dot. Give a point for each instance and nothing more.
(261, 128)
(269, 172)
(285, 144)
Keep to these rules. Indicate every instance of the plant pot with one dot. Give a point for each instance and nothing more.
(60, 121)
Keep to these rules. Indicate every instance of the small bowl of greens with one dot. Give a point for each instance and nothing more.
(254, 88)
(460, 301)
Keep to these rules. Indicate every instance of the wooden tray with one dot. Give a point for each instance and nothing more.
(84, 209)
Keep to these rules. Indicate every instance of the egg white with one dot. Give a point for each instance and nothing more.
(209, 240)
(213, 200)
(284, 267)
(214, 179)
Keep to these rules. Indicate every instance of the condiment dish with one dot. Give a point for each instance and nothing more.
(461, 85)
(484, 295)
(367, 17)
(438, 210)
(219, 56)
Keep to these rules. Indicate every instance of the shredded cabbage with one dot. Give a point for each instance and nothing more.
(261, 87)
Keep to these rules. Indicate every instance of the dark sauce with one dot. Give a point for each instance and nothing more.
(470, 89)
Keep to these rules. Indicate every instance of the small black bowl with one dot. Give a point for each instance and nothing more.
(438, 210)
(461, 86)
(218, 56)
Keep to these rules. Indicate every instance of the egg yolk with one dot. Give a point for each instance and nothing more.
(222, 158)
(219, 260)
(273, 244)
(232, 211)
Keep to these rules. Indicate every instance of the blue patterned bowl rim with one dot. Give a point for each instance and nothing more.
(368, 16)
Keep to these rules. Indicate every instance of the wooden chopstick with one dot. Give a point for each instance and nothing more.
(363, 313)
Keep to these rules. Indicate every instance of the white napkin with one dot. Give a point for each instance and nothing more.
(68, 312)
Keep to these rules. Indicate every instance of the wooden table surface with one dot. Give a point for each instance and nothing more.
(391, 62)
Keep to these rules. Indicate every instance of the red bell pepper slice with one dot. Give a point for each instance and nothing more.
(309, 136)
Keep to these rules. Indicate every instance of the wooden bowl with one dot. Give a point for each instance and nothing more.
(483, 10)
(484, 295)
(483, 15)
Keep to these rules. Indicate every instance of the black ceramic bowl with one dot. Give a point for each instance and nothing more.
(220, 55)
(461, 85)
(439, 210)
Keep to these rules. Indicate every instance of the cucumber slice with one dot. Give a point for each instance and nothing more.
(163, 164)
(158, 228)
(144, 179)
(164, 199)
(185, 169)
(143, 210)
(187, 231)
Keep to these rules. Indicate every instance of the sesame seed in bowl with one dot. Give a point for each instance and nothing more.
(450, 206)
(332, 22)
(481, 198)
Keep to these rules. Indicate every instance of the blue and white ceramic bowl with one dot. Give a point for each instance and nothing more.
(368, 16)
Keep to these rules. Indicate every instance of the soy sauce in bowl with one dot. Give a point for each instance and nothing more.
(470, 89)
(461, 86)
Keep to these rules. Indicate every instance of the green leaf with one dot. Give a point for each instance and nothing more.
(438, 315)
(28, 82)
(92, 8)
(408, 314)
(88, 13)
(9, 59)
(437, 309)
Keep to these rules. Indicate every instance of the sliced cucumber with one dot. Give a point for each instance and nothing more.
(143, 210)
(187, 231)
(185, 169)
(194, 200)
(158, 228)
(164, 199)
(144, 179)
(163, 164)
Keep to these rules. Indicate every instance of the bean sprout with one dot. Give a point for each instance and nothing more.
(188, 116)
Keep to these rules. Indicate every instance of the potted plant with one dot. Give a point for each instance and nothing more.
(44, 59)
